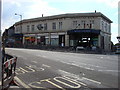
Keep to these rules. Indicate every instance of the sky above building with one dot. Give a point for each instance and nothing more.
(35, 8)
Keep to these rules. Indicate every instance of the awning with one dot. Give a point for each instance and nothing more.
(82, 31)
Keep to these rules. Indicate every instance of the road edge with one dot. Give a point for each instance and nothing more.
(21, 83)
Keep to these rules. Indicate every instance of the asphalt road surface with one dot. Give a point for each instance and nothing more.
(50, 69)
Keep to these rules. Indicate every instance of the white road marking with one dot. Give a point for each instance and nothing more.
(34, 61)
(77, 77)
(101, 57)
(44, 65)
(91, 80)
(75, 81)
(109, 70)
(43, 56)
(57, 79)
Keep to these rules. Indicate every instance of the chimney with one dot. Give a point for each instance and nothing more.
(95, 11)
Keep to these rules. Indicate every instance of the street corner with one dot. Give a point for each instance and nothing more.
(20, 84)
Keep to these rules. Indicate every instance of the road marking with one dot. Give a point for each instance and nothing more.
(77, 85)
(34, 61)
(75, 81)
(45, 80)
(29, 67)
(44, 65)
(43, 56)
(77, 77)
(22, 83)
(23, 69)
(91, 80)
(64, 81)
(31, 84)
(109, 70)
(48, 80)
(19, 70)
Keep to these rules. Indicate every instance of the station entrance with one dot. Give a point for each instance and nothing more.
(85, 38)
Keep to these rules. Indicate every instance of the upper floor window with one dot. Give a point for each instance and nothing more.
(33, 27)
(28, 28)
(105, 26)
(60, 25)
(74, 24)
(54, 25)
(17, 29)
(102, 25)
(91, 23)
(83, 23)
(109, 28)
(45, 26)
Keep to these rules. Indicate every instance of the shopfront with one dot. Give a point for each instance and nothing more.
(83, 37)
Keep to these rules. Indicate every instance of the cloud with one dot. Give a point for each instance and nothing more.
(36, 9)
(110, 3)
(6, 25)
(27, 8)
(12, 2)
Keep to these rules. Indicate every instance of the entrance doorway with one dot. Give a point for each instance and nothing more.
(62, 40)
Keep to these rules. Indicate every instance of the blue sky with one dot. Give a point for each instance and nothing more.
(35, 8)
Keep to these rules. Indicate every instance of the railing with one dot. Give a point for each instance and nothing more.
(8, 72)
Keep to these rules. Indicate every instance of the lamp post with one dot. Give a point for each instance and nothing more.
(21, 35)
(20, 21)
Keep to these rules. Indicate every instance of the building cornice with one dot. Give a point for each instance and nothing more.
(69, 15)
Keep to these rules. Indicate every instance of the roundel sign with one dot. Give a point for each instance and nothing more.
(39, 26)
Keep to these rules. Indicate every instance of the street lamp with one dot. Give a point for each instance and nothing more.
(20, 20)
(21, 35)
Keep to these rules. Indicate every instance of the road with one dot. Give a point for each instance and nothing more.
(50, 69)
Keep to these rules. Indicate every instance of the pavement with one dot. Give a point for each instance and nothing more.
(13, 86)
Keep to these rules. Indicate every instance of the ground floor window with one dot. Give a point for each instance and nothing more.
(30, 40)
(54, 41)
(47, 41)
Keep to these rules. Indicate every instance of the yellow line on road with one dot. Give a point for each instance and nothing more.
(23, 69)
(22, 83)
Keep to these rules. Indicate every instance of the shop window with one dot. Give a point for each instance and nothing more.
(54, 41)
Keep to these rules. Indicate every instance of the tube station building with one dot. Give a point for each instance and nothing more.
(67, 30)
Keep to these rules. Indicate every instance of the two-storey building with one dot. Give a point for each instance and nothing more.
(70, 30)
